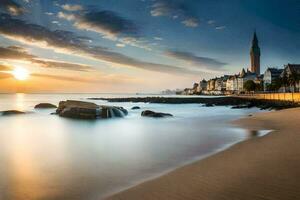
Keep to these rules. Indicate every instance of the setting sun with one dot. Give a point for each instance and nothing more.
(20, 73)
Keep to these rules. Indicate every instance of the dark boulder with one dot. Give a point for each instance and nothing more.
(88, 110)
(135, 108)
(149, 113)
(11, 112)
(208, 105)
(45, 105)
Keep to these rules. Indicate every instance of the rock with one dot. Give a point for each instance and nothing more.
(88, 110)
(239, 107)
(246, 105)
(149, 113)
(135, 108)
(208, 105)
(11, 112)
(45, 105)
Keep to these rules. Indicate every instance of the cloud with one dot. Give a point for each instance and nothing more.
(191, 22)
(101, 79)
(66, 16)
(106, 22)
(110, 25)
(211, 22)
(12, 7)
(202, 62)
(121, 45)
(175, 10)
(59, 77)
(49, 13)
(14, 52)
(4, 68)
(70, 7)
(19, 53)
(158, 38)
(5, 71)
(69, 43)
(62, 65)
(161, 8)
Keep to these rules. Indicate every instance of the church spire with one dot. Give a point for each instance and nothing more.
(255, 55)
(255, 41)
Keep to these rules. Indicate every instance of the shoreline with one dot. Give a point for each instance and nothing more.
(235, 102)
(258, 168)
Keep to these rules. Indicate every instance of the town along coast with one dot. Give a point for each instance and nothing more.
(235, 102)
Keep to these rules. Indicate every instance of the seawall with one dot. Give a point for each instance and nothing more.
(289, 97)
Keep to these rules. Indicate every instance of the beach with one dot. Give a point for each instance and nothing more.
(259, 168)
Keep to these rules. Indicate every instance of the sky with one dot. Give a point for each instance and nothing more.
(125, 46)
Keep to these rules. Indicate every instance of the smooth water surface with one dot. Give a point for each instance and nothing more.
(45, 157)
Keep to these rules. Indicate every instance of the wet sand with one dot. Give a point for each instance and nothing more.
(266, 168)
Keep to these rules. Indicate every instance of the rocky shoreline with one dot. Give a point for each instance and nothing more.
(235, 102)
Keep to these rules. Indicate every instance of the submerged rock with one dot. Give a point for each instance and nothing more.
(208, 105)
(150, 113)
(45, 105)
(239, 107)
(135, 108)
(11, 112)
(88, 110)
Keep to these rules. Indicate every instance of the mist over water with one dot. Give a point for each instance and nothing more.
(46, 157)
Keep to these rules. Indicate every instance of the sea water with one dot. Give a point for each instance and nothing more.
(46, 157)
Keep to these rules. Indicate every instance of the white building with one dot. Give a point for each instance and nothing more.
(270, 75)
(243, 78)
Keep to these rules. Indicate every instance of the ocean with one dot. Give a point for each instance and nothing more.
(46, 157)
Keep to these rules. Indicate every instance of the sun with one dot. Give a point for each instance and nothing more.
(20, 73)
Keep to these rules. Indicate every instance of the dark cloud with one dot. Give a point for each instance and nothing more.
(68, 42)
(204, 62)
(62, 65)
(14, 52)
(12, 7)
(19, 53)
(174, 9)
(107, 22)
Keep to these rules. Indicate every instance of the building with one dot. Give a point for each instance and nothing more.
(235, 84)
(203, 85)
(270, 75)
(230, 83)
(211, 85)
(243, 77)
(188, 91)
(218, 84)
(255, 56)
(224, 82)
(195, 88)
(292, 71)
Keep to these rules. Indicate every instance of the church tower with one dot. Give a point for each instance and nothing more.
(255, 56)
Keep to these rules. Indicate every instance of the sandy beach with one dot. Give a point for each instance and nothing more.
(266, 168)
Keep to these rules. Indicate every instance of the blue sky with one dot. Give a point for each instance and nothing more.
(144, 45)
